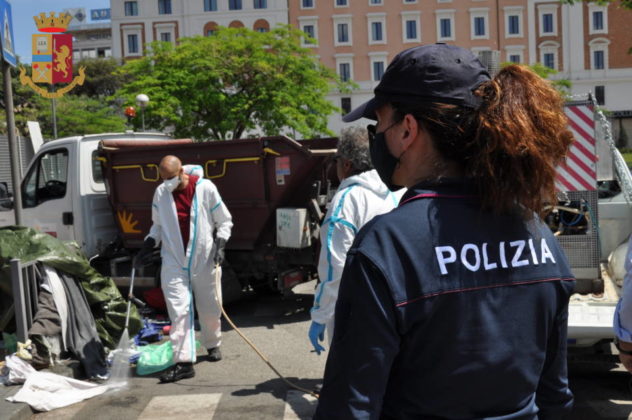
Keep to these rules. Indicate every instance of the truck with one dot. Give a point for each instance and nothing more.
(97, 190)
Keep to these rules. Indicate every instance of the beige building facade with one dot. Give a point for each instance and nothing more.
(587, 43)
(136, 23)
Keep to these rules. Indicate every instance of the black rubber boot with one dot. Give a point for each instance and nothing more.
(214, 355)
(179, 371)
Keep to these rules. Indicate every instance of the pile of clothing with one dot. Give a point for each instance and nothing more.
(80, 312)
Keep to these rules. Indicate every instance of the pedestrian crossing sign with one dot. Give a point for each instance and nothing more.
(6, 34)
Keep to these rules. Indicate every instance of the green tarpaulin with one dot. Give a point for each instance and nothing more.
(106, 302)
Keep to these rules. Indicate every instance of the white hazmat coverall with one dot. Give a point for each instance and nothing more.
(359, 198)
(190, 272)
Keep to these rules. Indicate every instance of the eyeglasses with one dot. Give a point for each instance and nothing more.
(371, 129)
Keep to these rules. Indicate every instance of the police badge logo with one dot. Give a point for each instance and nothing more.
(52, 56)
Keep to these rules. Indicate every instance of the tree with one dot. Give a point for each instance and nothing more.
(236, 80)
(626, 4)
(102, 79)
(25, 104)
(79, 115)
(562, 85)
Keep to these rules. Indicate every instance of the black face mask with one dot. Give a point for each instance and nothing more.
(383, 162)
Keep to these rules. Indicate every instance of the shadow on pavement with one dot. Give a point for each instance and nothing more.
(277, 387)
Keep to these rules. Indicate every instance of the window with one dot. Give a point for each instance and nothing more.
(547, 19)
(343, 33)
(445, 28)
(345, 104)
(210, 5)
(260, 4)
(547, 23)
(514, 58)
(597, 18)
(309, 30)
(599, 53)
(600, 95)
(410, 1)
(164, 7)
(344, 70)
(132, 44)
(47, 179)
(479, 26)
(598, 60)
(97, 170)
(210, 28)
(309, 26)
(375, 2)
(261, 25)
(445, 24)
(234, 4)
(131, 8)
(342, 30)
(411, 29)
(342, 3)
(549, 60)
(376, 31)
(165, 36)
(378, 70)
(307, 4)
(513, 23)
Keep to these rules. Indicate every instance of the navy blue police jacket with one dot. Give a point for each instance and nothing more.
(446, 311)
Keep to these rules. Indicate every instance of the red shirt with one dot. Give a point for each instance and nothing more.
(183, 199)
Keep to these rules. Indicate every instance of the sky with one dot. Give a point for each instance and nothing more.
(24, 25)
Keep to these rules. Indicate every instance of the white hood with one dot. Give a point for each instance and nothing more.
(369, 180)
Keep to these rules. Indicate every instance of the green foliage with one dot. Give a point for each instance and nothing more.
(626, 4)
(79, 115)
(222, 86)
(102, 80)
(562, 85)
(25, 105)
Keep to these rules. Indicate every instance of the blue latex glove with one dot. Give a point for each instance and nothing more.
(317, 333)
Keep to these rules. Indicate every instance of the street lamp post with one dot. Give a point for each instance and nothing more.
(142, 100)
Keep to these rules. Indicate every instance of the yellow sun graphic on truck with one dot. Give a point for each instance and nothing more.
(127, 222)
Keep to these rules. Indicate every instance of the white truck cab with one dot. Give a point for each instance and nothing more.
(63, 192)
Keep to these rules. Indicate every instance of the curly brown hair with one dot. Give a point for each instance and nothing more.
(510, 147)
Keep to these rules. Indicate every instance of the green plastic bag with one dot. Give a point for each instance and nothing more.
(156, 357)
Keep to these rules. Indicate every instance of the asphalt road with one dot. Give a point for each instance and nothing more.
(243, 387)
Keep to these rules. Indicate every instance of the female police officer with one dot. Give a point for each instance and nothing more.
(454, 305)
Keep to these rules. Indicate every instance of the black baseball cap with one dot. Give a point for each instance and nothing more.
(427, 73)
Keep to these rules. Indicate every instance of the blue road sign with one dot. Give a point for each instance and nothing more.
(6, 33)
(100, 14)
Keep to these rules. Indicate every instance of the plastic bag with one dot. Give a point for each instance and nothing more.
(156, 357)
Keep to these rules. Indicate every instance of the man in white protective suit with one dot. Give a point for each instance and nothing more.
(361, 196)
(186, 211)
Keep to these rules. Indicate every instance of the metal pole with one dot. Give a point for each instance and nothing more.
(54, 116)
(142, 114)
(13, 151)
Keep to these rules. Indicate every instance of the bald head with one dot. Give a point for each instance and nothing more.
(169, 167)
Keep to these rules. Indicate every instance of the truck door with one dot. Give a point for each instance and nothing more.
(47, 195)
